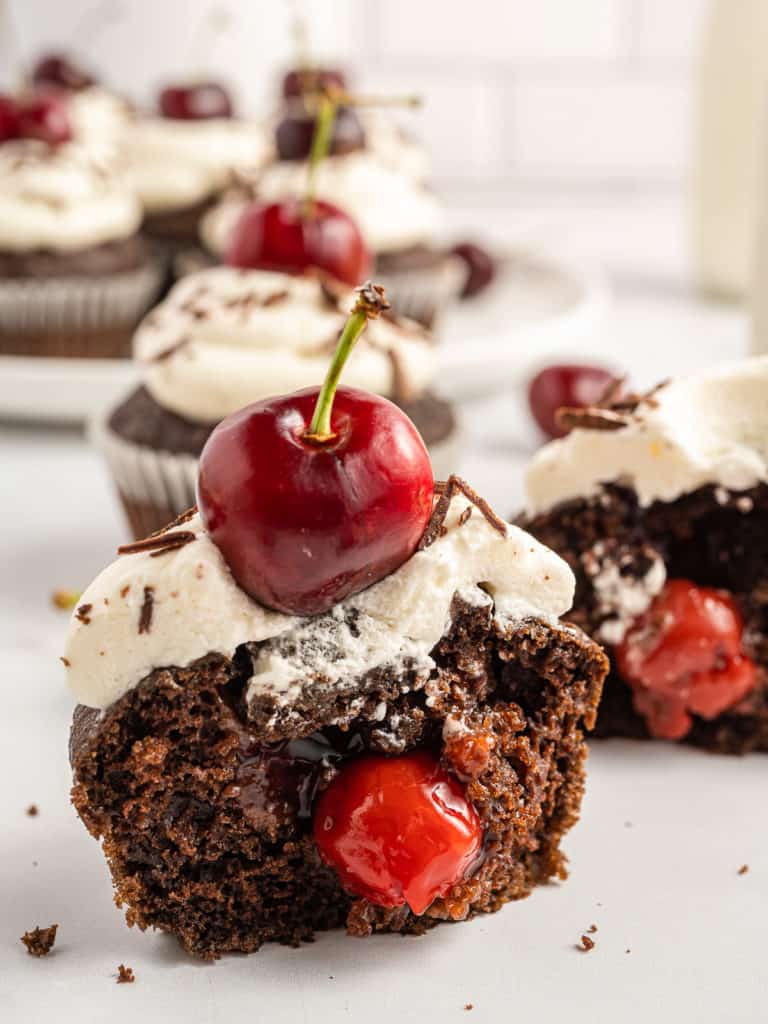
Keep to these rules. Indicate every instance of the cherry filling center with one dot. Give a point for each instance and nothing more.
(684, 656)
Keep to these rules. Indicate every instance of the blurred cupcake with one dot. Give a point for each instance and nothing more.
(397, 213)
(75, 276)
(99, 117)
(180, 161)
(224, 338)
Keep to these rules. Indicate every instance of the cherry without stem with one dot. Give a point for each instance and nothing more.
(296, 234)
(198, 101)
(398, 829)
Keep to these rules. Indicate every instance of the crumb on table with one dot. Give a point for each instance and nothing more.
(585, 944)
(125, 975)
(744, 869)
(39, 941)
(32, 811)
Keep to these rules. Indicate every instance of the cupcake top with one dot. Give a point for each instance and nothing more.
(99, 118)
(177, 163)
(61, 198)
(392, 210)
(224, 338)
(709, 428)
(174, 600)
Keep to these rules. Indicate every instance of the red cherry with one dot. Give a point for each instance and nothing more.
(196, 102)
(481, 268)
(45, 117)
(558, 386)
(300, 524)
(398, 830)
(9, 119)
(300, 81)
(684, 655)
(293, 235)
(54, 69)
(295, 132)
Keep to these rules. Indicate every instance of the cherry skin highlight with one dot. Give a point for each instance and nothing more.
(195, 102)
(293, 235)
(45, 117)
(302, 524)
(299, 81)
(559, 386)
(684, 655)
(295, 132)
(398, 829)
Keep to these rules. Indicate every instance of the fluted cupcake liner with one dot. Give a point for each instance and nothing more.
(422, 293)
(75, 317)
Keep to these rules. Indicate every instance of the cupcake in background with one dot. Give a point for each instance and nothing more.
(398, 215)
(75, 275)
(226, 337)
(181, 159)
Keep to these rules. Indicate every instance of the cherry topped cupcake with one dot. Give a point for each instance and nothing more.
(224, 337)
(659, 503)
(183, 157)
(75, 276)
(337, 694)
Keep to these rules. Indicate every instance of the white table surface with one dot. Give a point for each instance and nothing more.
(681, 934)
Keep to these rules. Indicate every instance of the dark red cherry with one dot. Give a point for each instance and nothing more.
(294, 133)
(398, 830)
(298, 82)
(45, 117)
(481, 268)
(195, 102)
(302, 524)
(54, 69)
(684, 655)
(9, 119)
(294, 235)
(557, 387)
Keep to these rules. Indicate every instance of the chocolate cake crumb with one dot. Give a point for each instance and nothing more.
(743, 869)
(82, 613)
(469, 1006)
(32, 811)
(40, 941)
(586, 944)
(65, 600)
(124, 590)
(145, 617)
(158, 544)
(125, 975)
(592, 929)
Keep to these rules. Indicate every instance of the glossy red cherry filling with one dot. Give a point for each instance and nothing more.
(684, 656)
(294, 235)
(398, 829)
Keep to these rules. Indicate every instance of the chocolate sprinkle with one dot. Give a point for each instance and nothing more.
(82, 613)
(145, 617)
(171, 350)
(40, 941)
(591, 417)
(159, 543)
(125, 975)
(446, 491)
(465, 515)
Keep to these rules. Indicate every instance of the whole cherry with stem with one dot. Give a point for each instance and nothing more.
(295, 234)
(313, 496)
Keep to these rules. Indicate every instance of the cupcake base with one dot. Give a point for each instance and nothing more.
(152, 454)
(421, 281)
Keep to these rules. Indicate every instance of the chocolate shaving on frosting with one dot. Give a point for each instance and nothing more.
(82, 613)
(446, 490)
(145, 616)
(159, 544)
(613, 411)
(171, 350)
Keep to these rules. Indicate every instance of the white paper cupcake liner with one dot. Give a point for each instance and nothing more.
(77, 304)
(423, 293)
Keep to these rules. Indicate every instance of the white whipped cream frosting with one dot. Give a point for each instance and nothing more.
(173, 164)
(709, 428)
(229, 337)
(62, 198)
(392, 210)
(99, 118)
(198, 608)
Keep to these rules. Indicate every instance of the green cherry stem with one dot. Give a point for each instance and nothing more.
(371, 301)
(321, 144)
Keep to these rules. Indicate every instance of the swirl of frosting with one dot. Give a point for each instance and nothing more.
(173, 163)
(99, 118)
(197, 608)
(224, 338)
(392, 210)
(62, 198)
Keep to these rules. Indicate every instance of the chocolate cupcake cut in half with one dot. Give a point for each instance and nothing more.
(224, 338)
(217, 744)
(659, 503)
